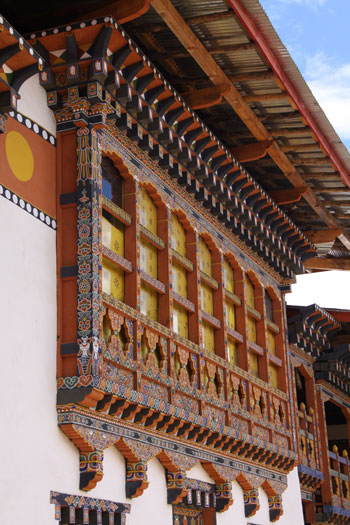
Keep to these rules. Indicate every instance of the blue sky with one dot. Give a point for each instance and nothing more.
(316, 33)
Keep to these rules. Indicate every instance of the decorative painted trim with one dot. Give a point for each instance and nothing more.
(209, 280)
(153, 282)
(90, 510)
(233, 333)
(273, 326)
(182, 301)
(152, 237)
(33, 126)
(254, 313)
(97, 424)
(22, 42)
(181, 259)
(256, 348)
(275, 360)
(117, 259)
(28, 207)
(115, 210)
(232, 297)
(211, 319)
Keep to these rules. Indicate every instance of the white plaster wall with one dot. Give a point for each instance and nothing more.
(198, 472)
(33, 104)
(262, 516)
(235, 513)
(291, 501)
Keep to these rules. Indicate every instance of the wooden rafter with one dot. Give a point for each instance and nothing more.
(193, 45)
(288, 196)
(301, 147)
(266, 98)
(328, 263)
(291, 132)
(228, 48)
(206, 97)
(322, 236)
(251, 152)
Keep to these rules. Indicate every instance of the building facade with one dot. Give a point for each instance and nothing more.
(148, 270)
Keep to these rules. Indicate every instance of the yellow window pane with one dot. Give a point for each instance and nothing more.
(254, 363)
(149, 302)
(147, 211)
(112, 280)
(148, 258)
(273, 375)
(232, 351)
(204, 257)
(251, 323)
(271, 342)
(206, 299)
(208, 336)
(228, 276)
(179, 276)
(249, 291)
(112, 237)
(178, 235)
(230, 315)
(180, 321)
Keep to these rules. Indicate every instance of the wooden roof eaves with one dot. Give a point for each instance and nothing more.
(271, 58)
(196, 49)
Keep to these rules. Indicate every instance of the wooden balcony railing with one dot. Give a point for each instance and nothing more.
(204, 396)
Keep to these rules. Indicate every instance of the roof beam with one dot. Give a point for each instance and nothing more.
(266, 98)
(328, 263)
(291, 132)
(206, 97)
(121, 10)
(251, 152)
(314, 161)
(178, 26)
(192, 20)
(288, 196)
(322, 236)
(252, 77)
(301, 147)
(333, 190)
(228, 48)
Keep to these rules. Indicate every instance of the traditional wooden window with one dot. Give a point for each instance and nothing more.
(229, 285)
(274, 338)
(206, 294)
(112, 230)
(179, 276)
(271, 338)
(148, 253)
(252, 317)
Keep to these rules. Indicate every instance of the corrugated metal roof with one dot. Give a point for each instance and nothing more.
(263, 23)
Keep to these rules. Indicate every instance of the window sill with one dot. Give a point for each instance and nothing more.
(183, 301)
(116, 211)
(209, 280)
(232, 297)
(117, 259)
(152, 282)
(182, 260)
(152, 238)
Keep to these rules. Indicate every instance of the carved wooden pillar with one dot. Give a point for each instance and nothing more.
(88, 249)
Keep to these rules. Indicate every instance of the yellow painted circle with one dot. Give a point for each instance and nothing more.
(19, 156)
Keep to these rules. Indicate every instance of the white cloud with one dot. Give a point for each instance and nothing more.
(330, 85)
(314, 4)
